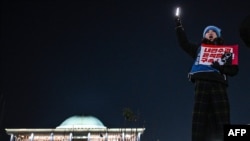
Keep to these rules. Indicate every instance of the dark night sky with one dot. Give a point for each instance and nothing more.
(63, 58)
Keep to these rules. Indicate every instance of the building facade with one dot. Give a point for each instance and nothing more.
(77, 128)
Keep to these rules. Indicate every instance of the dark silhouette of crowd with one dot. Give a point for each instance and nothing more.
(245, 31)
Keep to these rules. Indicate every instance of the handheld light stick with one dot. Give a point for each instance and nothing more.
(177, 12)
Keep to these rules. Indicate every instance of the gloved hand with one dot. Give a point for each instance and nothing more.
(217, 66)
(178, 21)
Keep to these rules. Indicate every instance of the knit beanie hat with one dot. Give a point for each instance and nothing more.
(214, 28)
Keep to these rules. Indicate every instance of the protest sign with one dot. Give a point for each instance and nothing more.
(224, 54)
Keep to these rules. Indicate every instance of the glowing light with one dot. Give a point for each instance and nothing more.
(177, 12)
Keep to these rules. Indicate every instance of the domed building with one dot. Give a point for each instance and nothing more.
(81, 122)
(77, 128)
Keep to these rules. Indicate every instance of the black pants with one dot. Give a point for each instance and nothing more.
(211, 111)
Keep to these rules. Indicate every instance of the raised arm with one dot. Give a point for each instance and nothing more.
(182, 39)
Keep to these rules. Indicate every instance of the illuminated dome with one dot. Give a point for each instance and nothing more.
(81, 122)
